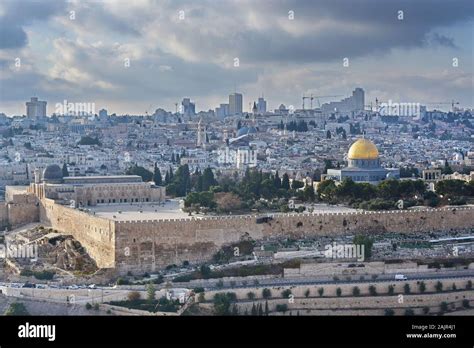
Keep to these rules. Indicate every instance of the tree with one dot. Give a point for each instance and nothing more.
(406, 288)
(266, 293)
(150, 291)
(208, 179)
(235, 310)
(65, 171)
(355, 291)
(227, 202)
(222, 302)
(308, 193)
(285, 182)
(321, 292)
(443, 306)
(422, 287)
(286, 293)
(266, 308)
(328, 134)
(390, 290)
(373, 290)
(260, 309)
(409, 312)
(157, 176)
(439, 286)
(338, 292)
(251, 295)
(465, 303)
(469, 285)
(281, 308)
(140, 171)
(277, 181)
(254, 311)
(367, 242)
(306, 293)
(389, 312)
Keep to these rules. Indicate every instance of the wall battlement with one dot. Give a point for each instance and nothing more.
(148, 245)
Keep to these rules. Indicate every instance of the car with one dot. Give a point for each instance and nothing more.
(28, 285)
(73, 287)
(400, 277)
(40, 286)
(92, 286)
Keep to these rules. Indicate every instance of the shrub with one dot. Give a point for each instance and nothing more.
(88, 306)
(373, 290)
(355, 291)
(321, 292)
(443, 306)
(281, 308)
(465, 303)
(406, 288)
(133, 296)
(250, 295)
(389, 312)
(286, 293)
(306, 293)
(338, 292)
(266, 293)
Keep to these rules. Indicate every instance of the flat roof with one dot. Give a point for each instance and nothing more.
(141, 211)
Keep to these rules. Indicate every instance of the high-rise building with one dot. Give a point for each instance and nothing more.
(188, 108)
(222, 110)
(358, 99)
(235, 103)
(35, 108)
(261, 105)
(354, 103)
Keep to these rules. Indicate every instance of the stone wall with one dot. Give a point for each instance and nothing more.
(3, 215)
(150, 245)
(96, 234)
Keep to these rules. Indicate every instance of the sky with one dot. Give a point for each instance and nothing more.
(136, 56)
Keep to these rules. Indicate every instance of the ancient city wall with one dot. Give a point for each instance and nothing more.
(96, 234)
(3, 215)
(150, 245)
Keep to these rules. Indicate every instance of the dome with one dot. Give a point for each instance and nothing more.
(363, 149)
(246, 130)
(53, 173)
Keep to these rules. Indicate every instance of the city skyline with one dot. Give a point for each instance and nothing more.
(150, 55)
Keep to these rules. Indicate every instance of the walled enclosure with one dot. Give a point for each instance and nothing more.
(149, 245)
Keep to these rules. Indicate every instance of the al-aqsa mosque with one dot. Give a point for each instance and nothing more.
(363, 165)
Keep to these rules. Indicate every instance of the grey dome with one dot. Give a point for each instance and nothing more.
(53, 173)
(246, 130)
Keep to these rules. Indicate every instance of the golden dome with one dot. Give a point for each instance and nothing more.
(363, 149)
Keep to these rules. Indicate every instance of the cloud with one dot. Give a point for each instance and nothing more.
(15, 15)
(173, 56)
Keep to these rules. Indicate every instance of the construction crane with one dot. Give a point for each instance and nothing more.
(304, 99)
(452, 103)
(317, 97)
(146, 112)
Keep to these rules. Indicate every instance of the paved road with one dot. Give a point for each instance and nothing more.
(380, 279)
